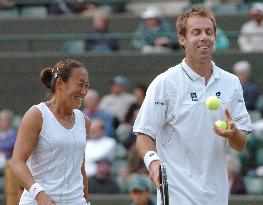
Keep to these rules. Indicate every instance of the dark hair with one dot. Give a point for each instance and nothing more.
(141, 87)
(62, 70)
(195, 11)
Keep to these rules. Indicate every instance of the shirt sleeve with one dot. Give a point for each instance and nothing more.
(240, 115)
(151, 116)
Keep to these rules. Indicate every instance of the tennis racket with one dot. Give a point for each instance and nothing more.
(163, 184)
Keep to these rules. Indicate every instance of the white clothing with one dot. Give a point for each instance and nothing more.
(104, 147)
(117, 105)
(174, 114)
(56, 161)
(253, 42)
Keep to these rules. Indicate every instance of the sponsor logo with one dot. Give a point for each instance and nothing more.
(218, 94)
(159, 103)
(194, 96)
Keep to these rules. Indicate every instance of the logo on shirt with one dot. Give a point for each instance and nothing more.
(158, 103)
(218, 94)
(194, 96)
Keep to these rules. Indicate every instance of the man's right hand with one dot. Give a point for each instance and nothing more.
(154, 172)
(44, 199)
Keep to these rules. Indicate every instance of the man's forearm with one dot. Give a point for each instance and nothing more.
(238, 140)
(144, 143)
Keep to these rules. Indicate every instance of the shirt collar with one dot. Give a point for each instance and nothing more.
(194, 76)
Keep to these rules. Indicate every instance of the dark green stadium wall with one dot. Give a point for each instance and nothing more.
(20, 86)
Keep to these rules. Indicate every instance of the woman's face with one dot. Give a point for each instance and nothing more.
(75, 89)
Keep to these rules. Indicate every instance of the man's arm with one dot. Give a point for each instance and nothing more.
(238, 140)
(144, 144)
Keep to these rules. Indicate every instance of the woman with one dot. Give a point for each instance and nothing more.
(48, 157)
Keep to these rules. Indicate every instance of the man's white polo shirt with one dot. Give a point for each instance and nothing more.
(174, 115)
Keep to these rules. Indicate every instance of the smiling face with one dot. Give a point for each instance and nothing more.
(76, 88)
(199, 39)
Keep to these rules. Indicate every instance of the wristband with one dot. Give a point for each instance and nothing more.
(149, 157)
(35, 189)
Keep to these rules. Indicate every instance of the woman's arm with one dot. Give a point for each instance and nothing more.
(27, 138)
(26, 141)
(85, 181)
(83, 170)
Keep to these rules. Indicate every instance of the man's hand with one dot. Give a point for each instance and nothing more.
(44, 199)
(237, 139)
(154, 172)
(231, 128)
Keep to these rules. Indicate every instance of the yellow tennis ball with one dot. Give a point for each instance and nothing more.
(221, 124)
(212, 103)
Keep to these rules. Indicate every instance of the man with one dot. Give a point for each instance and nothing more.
(154, 33)
(98, 146)
(91, 108)
(140, 190)
(7, 135)
(118, 98)
(100, 26)
(250, 39)
(102, 182)
(242, 69)
(174, 126)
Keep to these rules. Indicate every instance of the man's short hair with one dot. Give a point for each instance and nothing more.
(181, 21)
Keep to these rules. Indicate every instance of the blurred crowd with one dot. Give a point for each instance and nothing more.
(154, 33)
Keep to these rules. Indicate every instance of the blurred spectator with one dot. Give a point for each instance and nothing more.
(139, 91)
(7, 135)
(242, 70)
(251, 37)
(124, 131)
(119, 100)
(99, 28)
(102, 182)
(6, 4)
(87, 8)
(93, 111)
(222, 41)
(98, 146)
(65, 7)
(115, 7)
(140, 190)
(59, 7)
(120, 170)
(135, 163)
(154, 34)
(236, 184)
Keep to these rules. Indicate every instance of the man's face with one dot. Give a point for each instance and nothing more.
(256, 15)
(100, 23)
(199, 39)
(139, 197)
(152, 23)
(117, 89)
